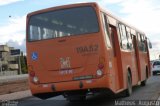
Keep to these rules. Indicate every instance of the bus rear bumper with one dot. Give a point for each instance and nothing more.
(53, 89)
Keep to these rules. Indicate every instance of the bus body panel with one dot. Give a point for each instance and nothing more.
(78, 50)
(102, 82)
(129, 63)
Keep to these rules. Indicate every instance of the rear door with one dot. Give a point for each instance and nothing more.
(118, 73)
(114, 55)
(137, 62)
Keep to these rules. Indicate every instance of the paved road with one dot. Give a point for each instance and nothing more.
(150, 92)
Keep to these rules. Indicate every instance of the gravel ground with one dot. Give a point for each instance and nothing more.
(13, 86)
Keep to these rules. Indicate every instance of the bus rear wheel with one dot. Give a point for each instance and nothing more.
(128, 91)
(143, 83)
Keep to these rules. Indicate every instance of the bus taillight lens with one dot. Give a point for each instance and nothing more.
(32, 74)
(100, 66)
(101, 62)
(35, 79)
(99, 72)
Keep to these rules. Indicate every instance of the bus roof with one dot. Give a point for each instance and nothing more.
(86, 4)
(63, 7)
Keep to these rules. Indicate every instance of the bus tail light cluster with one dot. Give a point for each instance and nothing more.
(32, 73)
(99, 72)
(33, 77)
(35, 80)
(100, 66)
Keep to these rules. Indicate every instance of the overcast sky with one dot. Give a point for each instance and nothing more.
(143, 14)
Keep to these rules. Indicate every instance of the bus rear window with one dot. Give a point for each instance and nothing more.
(60, 23)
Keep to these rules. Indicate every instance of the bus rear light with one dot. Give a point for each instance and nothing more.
(100, 66)
(101, 62)
(35, 79)
(99, 72)
(32, 73)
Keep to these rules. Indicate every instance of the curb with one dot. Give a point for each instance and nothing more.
(6, 79)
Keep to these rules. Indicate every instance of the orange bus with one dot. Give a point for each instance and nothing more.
(79, 49)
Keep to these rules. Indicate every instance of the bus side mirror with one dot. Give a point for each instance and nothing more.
(150, 45)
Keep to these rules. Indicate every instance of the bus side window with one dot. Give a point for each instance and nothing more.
(129, 37)
(105, 26)
(141, 42)
(112, 32)
(133, 42)
(123, 37)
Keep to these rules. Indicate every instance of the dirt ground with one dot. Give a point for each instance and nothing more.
(15, 86)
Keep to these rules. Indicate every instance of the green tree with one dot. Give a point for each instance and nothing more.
(23, 60)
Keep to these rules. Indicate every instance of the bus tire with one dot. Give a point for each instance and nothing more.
(143, 83)
(128, 91)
